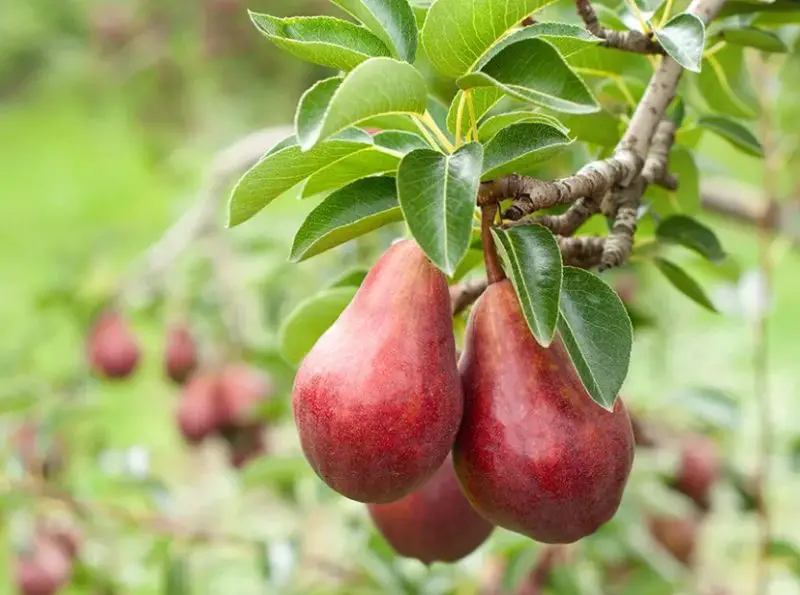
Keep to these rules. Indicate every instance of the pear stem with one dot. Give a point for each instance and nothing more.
(494, 271)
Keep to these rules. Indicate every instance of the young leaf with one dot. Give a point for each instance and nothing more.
(521, 147)
(691, 234)
(494, 124)
(366, 162)
(483, 100)
(309, 321)
(532, 70)
(733, 132)
(684, 283)
(725, 84)
(458, 32)
(682, 164)
(683, 38)
(392, 21)
(597, 334)
(753, 37)
(374, 87)
(325, 41)
(533, 262)
(278, 172)
(437, 194)
(352, 211)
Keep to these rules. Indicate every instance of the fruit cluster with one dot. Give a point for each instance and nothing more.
(381, 401)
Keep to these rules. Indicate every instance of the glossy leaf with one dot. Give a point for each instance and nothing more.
(725, 84)
(602, 128)
(520, 147)
(399, 141)
(483, 100)
(532, 261)
(392, 21)
(350, 212)
(278, 172)
(494, 124)
(326, 41)
(567, 39)
(375, 87)
(683, 38)
(691, 234)
(753, 37)
(687, 285)
(361, 164)
(733, 132)
(597, 334)
(437, 194)
(458, 32)
(309, 320)
(532, 70)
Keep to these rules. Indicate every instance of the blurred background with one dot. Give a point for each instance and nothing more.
(113, 116)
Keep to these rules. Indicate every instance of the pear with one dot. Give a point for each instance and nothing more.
(199, 407)
(435, 523)
(45, 569)
(377, 401)
(245, 443)
(180, 355)
(676, 534)
(699, 470)
(241, 389)
(535, 454)
(113, 351)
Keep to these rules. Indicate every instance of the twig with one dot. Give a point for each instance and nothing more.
(494, 271)
(630, 41)
(465, 294)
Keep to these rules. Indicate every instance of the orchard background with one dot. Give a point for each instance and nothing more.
(114, 119)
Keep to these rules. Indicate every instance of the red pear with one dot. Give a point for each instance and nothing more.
(113, 351)
(180, 356)
(699, 469)
(44, 570)
(198, 410)
(434, 523)
(245, 444)
(677, 535)
(535, 454)
(241, 388)
(378, 401)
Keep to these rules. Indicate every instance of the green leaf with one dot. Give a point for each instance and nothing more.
(733, 132)
(351, 278)
(321, 40)
(682, 164)
(725, 84)
(458, 32)
(753, 37)
(691, 234)
(421, 8)
(375, 87)
(392, 21)
(309, 320)
(483, 100)
(597, 334)
(521, 147)
(399, 141)
(350, 212)
(366, 162)
(532, 260)
(567, 39)
(683, 38)
(176, 576)
(684, 283)
(494, 124)
(709, 405)
(437, 194)
(532, 70)
(602, 128)
(278, 172)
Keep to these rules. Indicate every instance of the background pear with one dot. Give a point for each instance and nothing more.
(435, 523)
(198, 409)
(180, 356)
(113, 351)
(535, 454)
(377, 401)
(699, 469)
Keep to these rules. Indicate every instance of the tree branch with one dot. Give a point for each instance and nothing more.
(630, 41)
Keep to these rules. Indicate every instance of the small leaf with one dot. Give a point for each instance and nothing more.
(753, 37)
(532, 70)
(725, 84)
(280, 171)
(692, 234)
(684, 283)
(348, 213)
(325, 41)
(533, 262)
(309, 321)
(494, 124)
(392, 21)
(733, 132)
(361, 164)
(597, 334)
(458, 32)
(683, 38)
(374, 87)
(521, 147)
(437, 194)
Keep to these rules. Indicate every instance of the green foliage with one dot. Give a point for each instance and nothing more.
(520, 148)
(391, 20)
(684, 283)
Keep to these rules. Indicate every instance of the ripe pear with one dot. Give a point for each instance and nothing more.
(112, 349)
(677, 535)
(245, 444)
(241, 388)
(699, 470)
(434, 523)
(198, 409)
(535, 454)
(377, 401)
(180, 355)
(44, 570)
